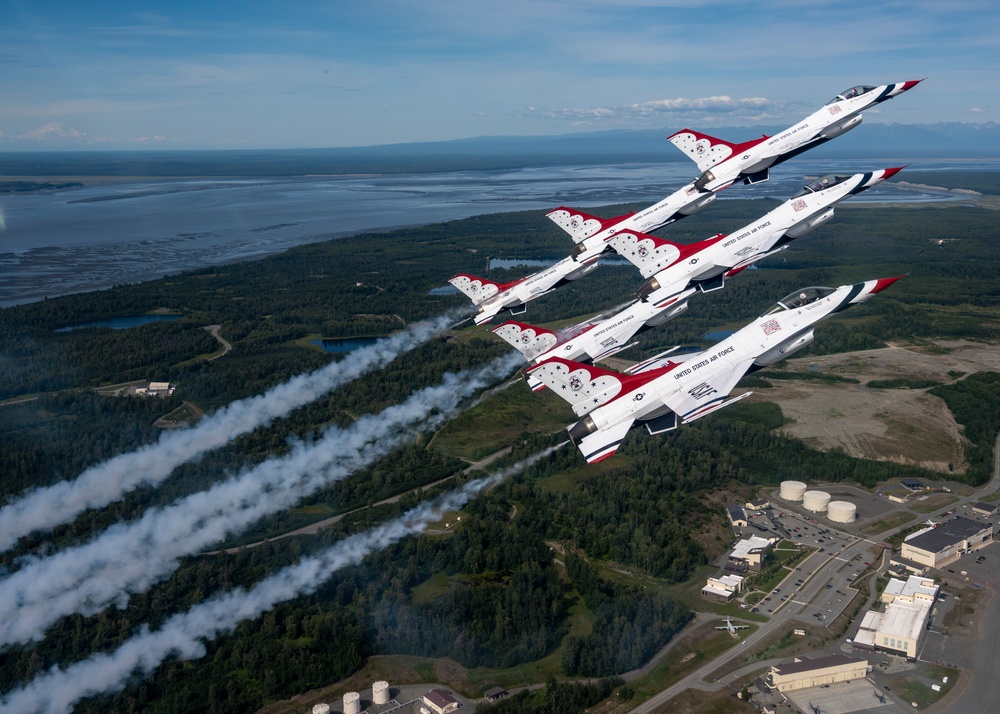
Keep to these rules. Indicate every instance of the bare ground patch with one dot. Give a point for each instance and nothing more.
(907, 426)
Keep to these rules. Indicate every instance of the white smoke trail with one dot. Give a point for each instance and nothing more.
(46, 508)
(128, 558)
(183, 635)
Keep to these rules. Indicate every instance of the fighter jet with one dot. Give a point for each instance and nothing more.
(592, 340)
(490, 297)
(590, 233)
(723, 163)
(732, 628)
(674, 267)
(664, 392)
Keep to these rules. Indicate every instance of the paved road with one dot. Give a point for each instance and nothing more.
(226, 346)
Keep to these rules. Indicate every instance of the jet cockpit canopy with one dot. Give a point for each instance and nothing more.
(800, 298)
(852, 93)
(821, 184)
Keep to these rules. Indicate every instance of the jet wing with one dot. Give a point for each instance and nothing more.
(692, 402)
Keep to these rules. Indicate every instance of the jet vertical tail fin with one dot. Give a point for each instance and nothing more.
(706, 151)
(479, 290)
(585, 387)
(580, 225)
(648, 253)
(527, 339)
(476, 289)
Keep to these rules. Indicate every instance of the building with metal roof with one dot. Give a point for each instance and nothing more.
(939, 545)
(807, 672)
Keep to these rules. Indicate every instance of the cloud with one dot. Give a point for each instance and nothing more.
(752, 108)
(53, 130)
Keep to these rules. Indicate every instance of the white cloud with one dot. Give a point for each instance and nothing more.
(754, 108)
(53, 130)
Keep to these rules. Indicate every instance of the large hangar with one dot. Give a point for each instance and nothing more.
(936, 546)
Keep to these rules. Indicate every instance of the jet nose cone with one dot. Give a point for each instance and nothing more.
(889, 173)
(882, 283)
(910, 84)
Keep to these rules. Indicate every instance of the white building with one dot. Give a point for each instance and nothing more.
(440, 701)
(723, 589)
(900, 628)
(750, 552)
(155, 389)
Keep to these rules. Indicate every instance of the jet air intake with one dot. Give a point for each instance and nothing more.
(800, 229)
(786, 348)
(843, 127)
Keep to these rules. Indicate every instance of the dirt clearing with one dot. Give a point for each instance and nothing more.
(906, 426)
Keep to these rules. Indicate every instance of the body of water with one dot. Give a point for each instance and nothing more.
(345, 344)
(121, 323)
(55, 243)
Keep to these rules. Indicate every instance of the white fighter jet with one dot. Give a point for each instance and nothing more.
(591, 233)
(592, 340)
(705, 265)
(490, 297)
(664, 392)
(723, 163)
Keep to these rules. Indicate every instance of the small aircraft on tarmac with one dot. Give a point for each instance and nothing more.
(731, 627)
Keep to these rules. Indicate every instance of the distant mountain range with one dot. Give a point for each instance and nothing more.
(907, 142)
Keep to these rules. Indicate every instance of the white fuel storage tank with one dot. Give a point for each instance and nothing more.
(841, 511)
(792, 490)
(815, 501)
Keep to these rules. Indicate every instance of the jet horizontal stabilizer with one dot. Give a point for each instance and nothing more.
(599, 444)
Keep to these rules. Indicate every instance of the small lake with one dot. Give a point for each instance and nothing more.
(719, 335)
(344, 344)
(121, 323)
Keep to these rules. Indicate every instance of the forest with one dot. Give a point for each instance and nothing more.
(489, 594)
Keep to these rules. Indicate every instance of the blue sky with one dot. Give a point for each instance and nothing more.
(254, 74)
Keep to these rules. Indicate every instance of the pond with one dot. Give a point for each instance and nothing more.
(121, 323)
(344, 344)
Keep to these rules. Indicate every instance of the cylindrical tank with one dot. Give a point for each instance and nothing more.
(321, 709)
(815, 501)
(792, 490)
(841, 511)
(352, 703)
(380, 693)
